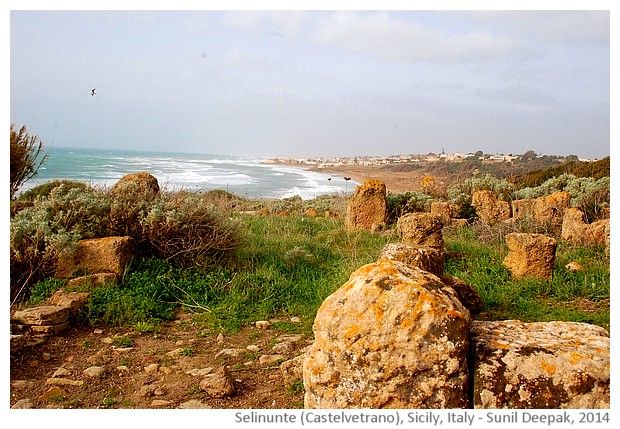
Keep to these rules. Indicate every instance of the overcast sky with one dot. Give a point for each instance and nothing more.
(314, 83)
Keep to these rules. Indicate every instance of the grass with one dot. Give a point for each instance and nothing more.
(287, 266)
(570, 296)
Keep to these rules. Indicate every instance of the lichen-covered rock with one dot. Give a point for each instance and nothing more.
(489, 208)
(97, 255)
(550, 209)
(390, 337)
(540, 365)
(421, 229)
(427, 258)
(530, 255)
(367, 208)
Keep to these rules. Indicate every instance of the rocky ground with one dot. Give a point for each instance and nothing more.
(103, 367)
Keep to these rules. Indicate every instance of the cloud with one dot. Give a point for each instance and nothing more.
(573, 27)
(523, 96)
(393, 38)
(276, 23)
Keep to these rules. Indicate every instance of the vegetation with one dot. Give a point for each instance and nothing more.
(26, 157)
(215, 254)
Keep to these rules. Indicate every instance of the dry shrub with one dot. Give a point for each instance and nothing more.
(494, 233)
(186, 229)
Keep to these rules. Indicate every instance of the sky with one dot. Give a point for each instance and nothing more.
(321, 83)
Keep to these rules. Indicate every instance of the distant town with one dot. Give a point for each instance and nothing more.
(325, 162)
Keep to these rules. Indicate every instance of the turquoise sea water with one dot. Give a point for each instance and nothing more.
(249, 177)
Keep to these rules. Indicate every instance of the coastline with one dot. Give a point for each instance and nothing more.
(395, 181)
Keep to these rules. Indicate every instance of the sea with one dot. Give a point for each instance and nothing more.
(250, 177)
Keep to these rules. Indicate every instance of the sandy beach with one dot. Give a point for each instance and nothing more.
(395, 181)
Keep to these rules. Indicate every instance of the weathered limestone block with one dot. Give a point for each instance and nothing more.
(550, 209)
(73, 300)
(523, 208)
(489, 208)
(445, 210)
(93, 281)
(530, 255)
(49, 330)
(367, 208)
(468, 296)
(427, 258)
(390, 337)
(97, 255)
(540, 365)
(43, 315)
(421, 229)
(600, 232)
(17, 343)
(573, 226)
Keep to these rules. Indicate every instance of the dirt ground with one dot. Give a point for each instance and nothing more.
(153, 370)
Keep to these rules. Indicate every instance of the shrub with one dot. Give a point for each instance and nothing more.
(26, 157)
(45, 189)
(53, 224)
(461, 193)
(406, 202)
(187, 230)
(587, 194)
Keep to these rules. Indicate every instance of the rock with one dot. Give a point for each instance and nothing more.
(23, 404)
(199, 372)
(161, 403)
(53, 393)
(488, 208)
(233, 352)
(292, 370)
(283, 348)
(49, 330)
(94, 371)
(600, 232)
(444, 210)
(151, 368)
(530, 255)
(270, 360)
(253, 348)
(522, 209)
(63, 382)
(97, 255)
(22, 384)
(295, 319)
(219, 384)
(573, 226)
(43, 315)
(262, 324)
(93, 281)
(311, 212)
(390, 337)
(220, 338)
(550, 209)
(73, 300)
(61, 372)
(468, 296)
(193, 404)
(573, 266)
(367, 208)
(18, 342)
(426, 258)
(540, 365)
(130, 195)
(421, 229)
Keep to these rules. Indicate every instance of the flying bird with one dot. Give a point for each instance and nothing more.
(92, 92)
